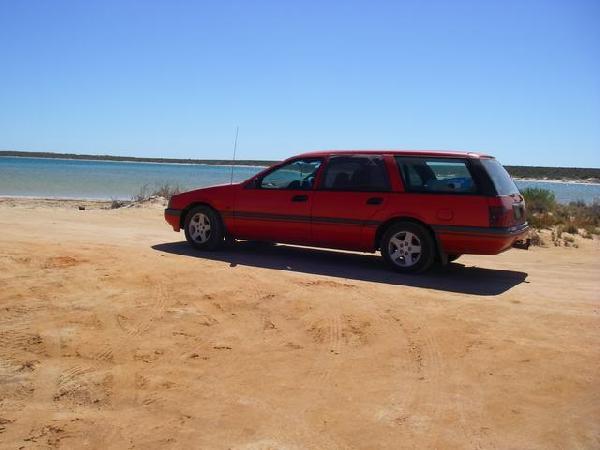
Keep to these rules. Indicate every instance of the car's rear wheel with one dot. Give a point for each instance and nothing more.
(203, 228)
(408, 247)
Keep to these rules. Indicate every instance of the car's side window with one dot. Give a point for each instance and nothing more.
(356, 173)
(436, 175)
(297, 175)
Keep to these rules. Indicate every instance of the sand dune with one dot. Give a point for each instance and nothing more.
(114, 334)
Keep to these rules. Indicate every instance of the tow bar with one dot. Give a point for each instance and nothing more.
(522, 244)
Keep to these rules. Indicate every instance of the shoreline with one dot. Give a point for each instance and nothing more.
(62, 198)
(567, 181)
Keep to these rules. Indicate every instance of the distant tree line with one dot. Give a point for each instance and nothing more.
(214, 162)
(535, 172)
(554, 173)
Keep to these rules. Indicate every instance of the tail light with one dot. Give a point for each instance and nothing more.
(500, 216)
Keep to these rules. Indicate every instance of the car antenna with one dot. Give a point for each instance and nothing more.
(237, 130)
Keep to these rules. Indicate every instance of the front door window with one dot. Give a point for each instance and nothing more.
(297, 175)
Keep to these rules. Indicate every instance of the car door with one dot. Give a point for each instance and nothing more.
(276, 206)
(349, 202)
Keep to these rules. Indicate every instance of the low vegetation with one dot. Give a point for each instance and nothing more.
(116, 204)
(147, 193)
(565, 221)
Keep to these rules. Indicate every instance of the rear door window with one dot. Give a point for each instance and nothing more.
(503, 183)
(356, 173)
(436, 175)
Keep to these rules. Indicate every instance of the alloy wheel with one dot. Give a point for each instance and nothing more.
(405, 249)
(200, 228)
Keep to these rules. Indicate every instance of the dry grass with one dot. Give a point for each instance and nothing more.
(116, 204)
(164, 190)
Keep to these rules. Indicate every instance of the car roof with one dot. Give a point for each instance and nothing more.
(434, 153)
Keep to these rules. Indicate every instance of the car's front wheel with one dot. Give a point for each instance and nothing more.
(203, 228)
(408, 247)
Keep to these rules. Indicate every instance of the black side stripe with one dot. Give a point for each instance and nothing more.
(303, 219)
(453, 229)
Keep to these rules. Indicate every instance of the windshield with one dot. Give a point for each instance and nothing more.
(500, 177)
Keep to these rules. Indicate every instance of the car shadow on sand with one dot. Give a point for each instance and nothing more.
(455, 277)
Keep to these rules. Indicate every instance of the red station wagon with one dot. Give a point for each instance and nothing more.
(415, 207)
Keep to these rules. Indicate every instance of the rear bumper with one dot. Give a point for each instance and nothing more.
(482, 240)
(173, 218)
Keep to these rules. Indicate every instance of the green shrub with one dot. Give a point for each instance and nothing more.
(543, 212)
(541, 220)
(539, 200)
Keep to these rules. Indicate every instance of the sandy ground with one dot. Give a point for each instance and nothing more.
(114, 334)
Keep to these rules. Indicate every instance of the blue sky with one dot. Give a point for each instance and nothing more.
(517, 79)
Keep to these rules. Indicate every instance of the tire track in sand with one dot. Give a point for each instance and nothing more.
(18, 337)
(137, 326)
(426, 366)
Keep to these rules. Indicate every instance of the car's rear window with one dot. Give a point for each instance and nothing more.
(503, 183)
(436, 175)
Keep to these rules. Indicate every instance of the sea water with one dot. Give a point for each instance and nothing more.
(86, 179)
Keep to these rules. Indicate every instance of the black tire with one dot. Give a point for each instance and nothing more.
(196, 231)
(453, 257)
(399, 242)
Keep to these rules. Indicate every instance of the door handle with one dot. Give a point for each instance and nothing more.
(300, 198)
(375, 201)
